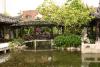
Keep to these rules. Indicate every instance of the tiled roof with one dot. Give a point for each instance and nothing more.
(35, 23)
(97, 13)
(8, 19)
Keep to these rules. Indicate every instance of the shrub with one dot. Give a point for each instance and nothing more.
(68, 40)
(16, 42)
(73, 40)
(60, 41)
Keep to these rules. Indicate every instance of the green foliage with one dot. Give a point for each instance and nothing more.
(49, 14)
(26, 32)
(73, 40)
(16, 42)
(68, 40)
(30, 45)
(73, 14)
(60, 41)
(92, 37)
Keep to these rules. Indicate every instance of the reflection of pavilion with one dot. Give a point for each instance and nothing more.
(90, 59)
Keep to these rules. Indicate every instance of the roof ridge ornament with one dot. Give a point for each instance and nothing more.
(97, 13)
(98, 9)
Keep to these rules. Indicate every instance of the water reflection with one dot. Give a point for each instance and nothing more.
(90, 60)
(39, 59)
(4, 58)
(49, 59)
(43, 59)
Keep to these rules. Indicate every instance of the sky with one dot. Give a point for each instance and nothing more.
(14, 7)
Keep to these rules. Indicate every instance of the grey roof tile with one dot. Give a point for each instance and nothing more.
(8, 19)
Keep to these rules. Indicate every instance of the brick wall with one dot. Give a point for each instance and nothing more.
(30, 15)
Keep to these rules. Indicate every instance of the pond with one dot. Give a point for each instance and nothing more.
(51, 59)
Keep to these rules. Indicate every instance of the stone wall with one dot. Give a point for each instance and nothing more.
(90, 48)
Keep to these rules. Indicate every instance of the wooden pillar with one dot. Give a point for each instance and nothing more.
(59, 30)
(52, 43)
(35, 45)
(90, 31)
(14, 32)
(34, 34)
(51, 33)
(6, 32)
(11, 33)
(97, 31)
(63, 29)
(2, 32)
(21, 32)
(5, 51)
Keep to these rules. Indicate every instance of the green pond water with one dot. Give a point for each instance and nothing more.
(49, 59)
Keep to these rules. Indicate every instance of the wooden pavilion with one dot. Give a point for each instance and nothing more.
(11, 27)
(29, 31)
(94, 26)
(39, 30)
(32, 26)
(93, 33)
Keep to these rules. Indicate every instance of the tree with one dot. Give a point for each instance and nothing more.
(73, 14)
(48, 9)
